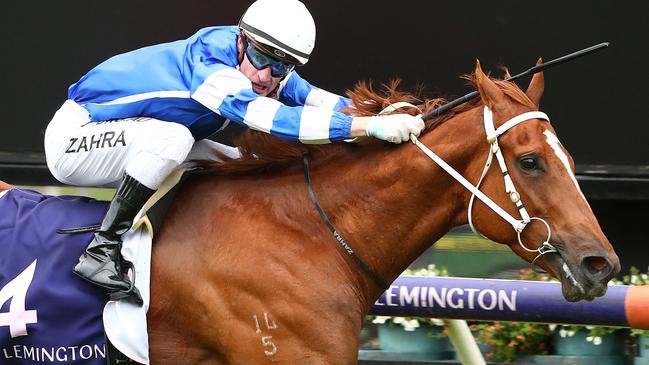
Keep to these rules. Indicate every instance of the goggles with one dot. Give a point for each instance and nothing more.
(260, 61)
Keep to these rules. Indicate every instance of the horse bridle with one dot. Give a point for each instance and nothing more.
(494, 150)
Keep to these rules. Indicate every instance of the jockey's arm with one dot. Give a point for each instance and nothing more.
(294, 90)
(395, 129)
(228, 92)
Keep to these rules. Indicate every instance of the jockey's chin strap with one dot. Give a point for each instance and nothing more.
(492, 138)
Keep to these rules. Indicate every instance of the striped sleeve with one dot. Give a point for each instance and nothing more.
(298, 91)
(229, 93)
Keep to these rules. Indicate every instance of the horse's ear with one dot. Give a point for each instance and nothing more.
(490, 93)
(535, 89)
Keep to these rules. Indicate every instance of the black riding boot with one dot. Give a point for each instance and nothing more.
(101, 263)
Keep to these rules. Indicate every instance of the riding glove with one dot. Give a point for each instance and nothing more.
(395, 128)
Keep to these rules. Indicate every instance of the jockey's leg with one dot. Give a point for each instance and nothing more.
(205, 148)
(136, 153)
(101, 263)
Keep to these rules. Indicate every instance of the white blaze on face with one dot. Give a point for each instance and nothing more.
(553, 141)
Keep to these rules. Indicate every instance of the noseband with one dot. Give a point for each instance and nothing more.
(494, 150)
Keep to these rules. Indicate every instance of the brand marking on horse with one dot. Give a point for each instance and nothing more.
(266, 341)
(553, 141)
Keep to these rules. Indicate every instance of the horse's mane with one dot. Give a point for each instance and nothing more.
(263, 152)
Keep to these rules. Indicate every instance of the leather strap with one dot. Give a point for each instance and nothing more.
(348, 249)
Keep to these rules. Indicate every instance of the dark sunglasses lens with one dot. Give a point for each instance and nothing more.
(280, 69)
(258, 59)
(261, 61)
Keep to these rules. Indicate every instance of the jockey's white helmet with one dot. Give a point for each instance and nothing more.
(286, 26)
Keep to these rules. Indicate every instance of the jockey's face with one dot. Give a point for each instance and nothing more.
(263, 82)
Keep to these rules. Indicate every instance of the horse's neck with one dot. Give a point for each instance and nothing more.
(391, 206)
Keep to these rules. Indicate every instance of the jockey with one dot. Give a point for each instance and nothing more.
(136, 117)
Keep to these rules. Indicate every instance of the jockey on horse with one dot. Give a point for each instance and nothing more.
(136, 117)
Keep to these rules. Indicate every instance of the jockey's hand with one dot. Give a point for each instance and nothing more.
(395, 128)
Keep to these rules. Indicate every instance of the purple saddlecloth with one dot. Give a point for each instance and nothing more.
(62, 312)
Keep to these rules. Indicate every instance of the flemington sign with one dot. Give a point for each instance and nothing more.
(510, 300)
(470, 298)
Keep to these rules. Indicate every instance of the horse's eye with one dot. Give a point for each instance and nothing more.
(529, 163)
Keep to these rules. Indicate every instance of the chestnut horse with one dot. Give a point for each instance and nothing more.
(246, 272)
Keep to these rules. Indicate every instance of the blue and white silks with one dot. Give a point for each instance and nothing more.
(196, 82)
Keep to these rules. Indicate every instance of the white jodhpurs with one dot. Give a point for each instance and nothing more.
(84, 153)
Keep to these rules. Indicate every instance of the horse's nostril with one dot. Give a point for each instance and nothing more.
(597, 265)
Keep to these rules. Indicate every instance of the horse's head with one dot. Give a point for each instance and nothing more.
(543, 174)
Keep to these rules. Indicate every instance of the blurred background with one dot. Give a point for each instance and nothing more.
(596, 103)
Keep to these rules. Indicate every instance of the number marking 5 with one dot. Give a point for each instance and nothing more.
(266, 341)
